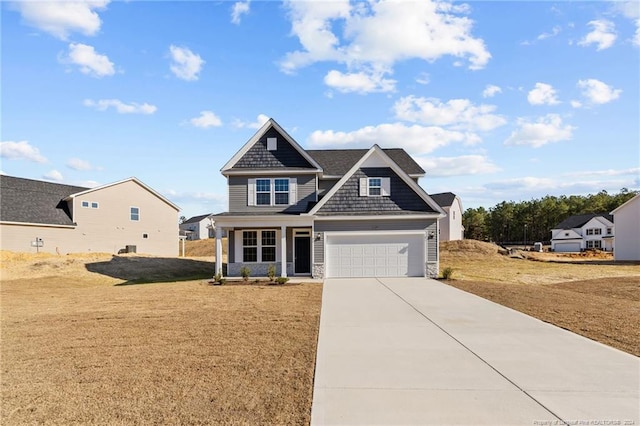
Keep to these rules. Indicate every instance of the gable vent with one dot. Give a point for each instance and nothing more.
(272, 144)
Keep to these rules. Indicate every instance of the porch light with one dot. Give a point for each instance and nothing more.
(318, 236)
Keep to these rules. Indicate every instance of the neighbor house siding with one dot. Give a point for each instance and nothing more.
(305, 189)
(627, 231)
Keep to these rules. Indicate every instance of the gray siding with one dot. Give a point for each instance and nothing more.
(324, 185)
(258, 157)
(306, 188)
(347, 199)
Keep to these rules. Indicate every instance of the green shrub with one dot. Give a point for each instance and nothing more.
(245, 272)
(218, 279)
(271, 272)
(282, 280)
(447, 273)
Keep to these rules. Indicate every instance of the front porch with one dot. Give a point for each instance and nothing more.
(283, 241)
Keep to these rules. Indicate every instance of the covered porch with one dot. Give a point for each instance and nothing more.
(258, 242)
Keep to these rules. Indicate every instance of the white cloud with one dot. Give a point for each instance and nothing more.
(121, 107)
(603, 34)
(554, 32)
(54, 175)
(543, 94)
(206, 119)
(423, 78)
(359, 82)
(597, 92)
(61, 18)
(260, 120)
(78, 164)
(457, 166)
(544, 130)
(576, 104)
(414, 139)
(239, 8)
(21, 151)
(490, 91)
(426, 30)
(89, 61)
(636, 38)
(634, 171)
(532, 187)
(460, 114)
(185, 64)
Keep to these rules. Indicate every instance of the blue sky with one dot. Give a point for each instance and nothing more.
(497, 100)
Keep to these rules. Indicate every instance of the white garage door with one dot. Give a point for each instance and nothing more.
(375, 255)
(567, 247)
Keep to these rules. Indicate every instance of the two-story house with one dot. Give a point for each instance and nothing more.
(326, 213)
(197, 227)
(583, 232)
(451, 228)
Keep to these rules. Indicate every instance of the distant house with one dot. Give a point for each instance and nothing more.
(326, 213)
(56, 218)
(197, 227)
(627, 219)
(451, 228)
(583, 232)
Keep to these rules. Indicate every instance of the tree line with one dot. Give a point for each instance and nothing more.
(530, 221)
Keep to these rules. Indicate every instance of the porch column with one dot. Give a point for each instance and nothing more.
(219, 250)
(283, 251)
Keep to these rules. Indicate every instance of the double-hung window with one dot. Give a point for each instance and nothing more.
(281, 191)
(375, 187)
(263, 192)
(250, 246)
(268, 246)
(135, 214)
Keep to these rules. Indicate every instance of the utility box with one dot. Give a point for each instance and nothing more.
(537, 247)
(132, 249)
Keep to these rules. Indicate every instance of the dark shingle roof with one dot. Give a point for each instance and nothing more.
(34, 201)
(444, 199)
(196, 219)
(579, 220)
(337, 162)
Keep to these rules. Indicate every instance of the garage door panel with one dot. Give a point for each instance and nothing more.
(375, 255)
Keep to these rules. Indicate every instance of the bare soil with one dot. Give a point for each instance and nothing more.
(81, 347)
(588, 294)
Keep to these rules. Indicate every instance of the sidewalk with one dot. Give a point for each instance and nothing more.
(416, 351)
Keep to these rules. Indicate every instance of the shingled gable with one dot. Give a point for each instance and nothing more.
(368, 164)
(133, 179)
(254, 155)
(336, 162)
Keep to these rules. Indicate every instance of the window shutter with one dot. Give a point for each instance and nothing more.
(251, 192)
(293, 191)
(386, 186)
(364, 187)
(237, 249)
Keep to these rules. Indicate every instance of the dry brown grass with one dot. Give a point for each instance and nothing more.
(79, 349)
(205, 248)
(597, 299)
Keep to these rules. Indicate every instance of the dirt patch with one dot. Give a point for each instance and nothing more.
(79, 349)
(594, 297)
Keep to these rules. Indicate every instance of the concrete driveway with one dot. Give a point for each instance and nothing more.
(415, 351)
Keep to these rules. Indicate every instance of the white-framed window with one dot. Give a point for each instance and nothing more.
(89, 204)
(594, 244)
(134, 214)
(375, 187)
(257, 245)
(594, 231)
(609, 231)
(94, 205)
(271, 191)
(268, 246)
(249, 246)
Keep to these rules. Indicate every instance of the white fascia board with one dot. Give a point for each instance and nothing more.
(380, 217)
(394, 166)
(262, 221)
(132, 179)
(265, 127)
(42, 225)
(421, 232)
(269, 172)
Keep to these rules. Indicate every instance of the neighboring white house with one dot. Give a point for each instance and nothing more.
(627, 219)
(583, 232)
(451, 228)
(56, 218)
(197, 227)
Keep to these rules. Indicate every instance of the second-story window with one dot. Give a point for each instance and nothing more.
(135, 213)
(281, 191)
(263, 192)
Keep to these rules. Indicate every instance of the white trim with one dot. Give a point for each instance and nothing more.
(624, 204)
(387, 232)
(44, 225)
(394, 166)
(260, 172)
(380, 217)
(302, 232)
(261, 132)
(239, 245)
(131, 214)
(131, 179)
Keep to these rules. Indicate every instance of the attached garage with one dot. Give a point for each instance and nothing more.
(375, 255)
(567, 247)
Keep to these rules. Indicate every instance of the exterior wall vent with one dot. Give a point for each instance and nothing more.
(272, 144)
